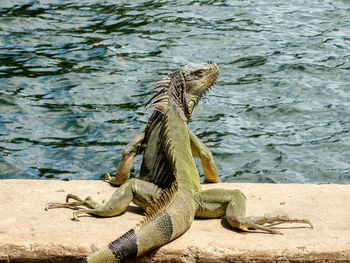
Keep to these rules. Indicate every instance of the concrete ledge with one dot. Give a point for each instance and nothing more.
(30, 234)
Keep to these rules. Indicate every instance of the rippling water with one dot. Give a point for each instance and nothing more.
(74, 79)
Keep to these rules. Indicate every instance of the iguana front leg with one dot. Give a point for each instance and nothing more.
(200, 150)
(130, 151)
(215, 203)
(140, 192)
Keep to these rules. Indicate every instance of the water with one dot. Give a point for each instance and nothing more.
(74, 80)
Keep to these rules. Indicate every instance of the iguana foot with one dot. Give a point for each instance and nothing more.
(94, 207)
(107, 178)
(113, 179)
(280, 219)
(256, 223)
(88, 202)
(211, 181)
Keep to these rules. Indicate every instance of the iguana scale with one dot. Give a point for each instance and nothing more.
(168, 187)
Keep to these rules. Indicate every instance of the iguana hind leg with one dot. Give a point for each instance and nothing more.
(140, 192)
(216, 203)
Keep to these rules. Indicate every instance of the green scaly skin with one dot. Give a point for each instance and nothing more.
(169, 187)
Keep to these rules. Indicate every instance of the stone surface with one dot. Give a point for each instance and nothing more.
(28, 233)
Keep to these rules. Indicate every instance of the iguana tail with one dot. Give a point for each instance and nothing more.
(157, 229)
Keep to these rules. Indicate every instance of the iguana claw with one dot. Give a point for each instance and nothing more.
(107, 178)
(75, 216)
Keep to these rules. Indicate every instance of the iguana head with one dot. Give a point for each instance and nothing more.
(184, 88)
(199, 78)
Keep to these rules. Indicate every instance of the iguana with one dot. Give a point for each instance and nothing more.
(169, 187)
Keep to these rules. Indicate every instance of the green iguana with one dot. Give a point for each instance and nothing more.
(169, 188)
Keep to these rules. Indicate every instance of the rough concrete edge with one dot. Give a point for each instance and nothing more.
(39, 253)
(35, 253)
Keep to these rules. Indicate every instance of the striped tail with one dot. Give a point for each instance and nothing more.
(121, 249)
(157, 231)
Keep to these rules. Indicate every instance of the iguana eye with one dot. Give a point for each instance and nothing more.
(199, 73)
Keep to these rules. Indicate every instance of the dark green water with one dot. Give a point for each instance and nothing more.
(74, 79)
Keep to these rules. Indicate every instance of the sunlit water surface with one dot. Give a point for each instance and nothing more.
(75, 76)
